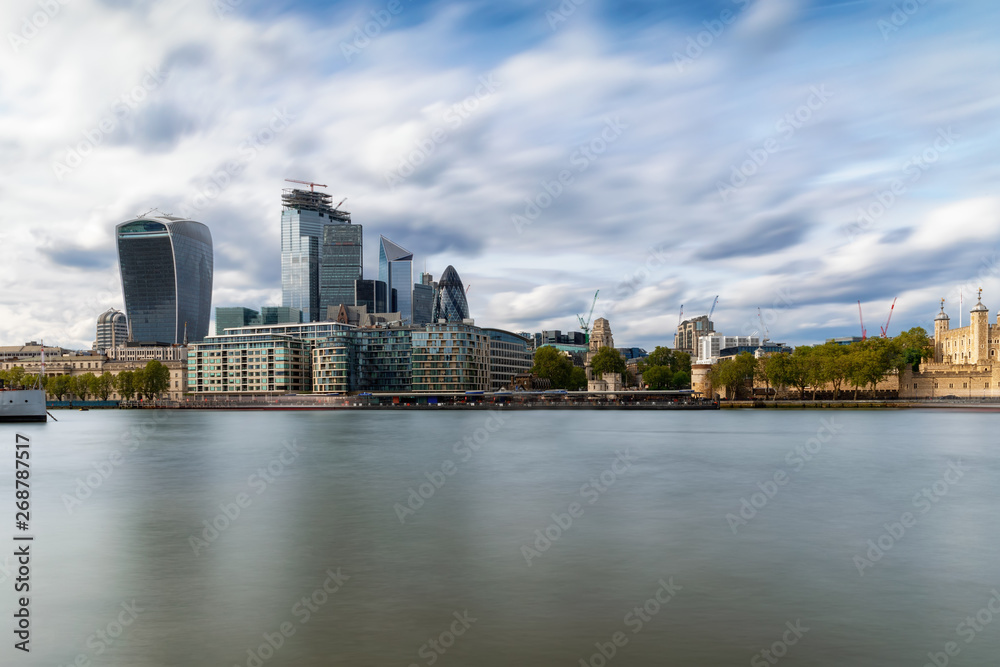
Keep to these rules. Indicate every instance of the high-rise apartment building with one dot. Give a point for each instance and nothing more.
(340, 265)
(395, 269)
(112, 330)
(304, 215)
(690, 331)
(166, 266)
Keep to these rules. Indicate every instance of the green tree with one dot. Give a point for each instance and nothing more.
(84, 385)
(104, 384)
(833, 365)
(607, 360)
(156, 378)
(777, 371)
(552, 364)
(577, 379)
(799, 369)
(735, 374)
(915, 346)
(59, 386)
(675, 368)
(16, 377)
(125, 385)
(658, 377)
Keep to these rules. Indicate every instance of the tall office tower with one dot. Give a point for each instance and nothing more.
(340, 265)
(166, 267)
(304, 214)
(373, 294)
(423, 299)
(395, 269)
(229, 318)
(112, 330)
(450, 303)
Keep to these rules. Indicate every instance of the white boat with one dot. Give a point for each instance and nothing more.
(22, 405)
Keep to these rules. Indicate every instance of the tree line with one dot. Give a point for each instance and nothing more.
(663, 368)
(147, 382)
(859, 365)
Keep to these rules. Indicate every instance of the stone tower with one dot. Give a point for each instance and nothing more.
(940, 326)
(600, 335)
(979, 323)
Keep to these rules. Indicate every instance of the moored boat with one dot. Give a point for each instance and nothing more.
(22, 405)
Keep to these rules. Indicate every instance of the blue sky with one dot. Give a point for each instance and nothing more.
(790, 155)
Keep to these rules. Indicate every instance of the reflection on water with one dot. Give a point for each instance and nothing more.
(534, 538)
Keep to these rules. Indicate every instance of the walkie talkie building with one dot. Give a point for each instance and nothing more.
(166, 267)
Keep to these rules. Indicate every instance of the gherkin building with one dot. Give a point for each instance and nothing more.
(450, 303)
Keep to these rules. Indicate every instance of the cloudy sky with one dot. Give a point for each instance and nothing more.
(792, 155)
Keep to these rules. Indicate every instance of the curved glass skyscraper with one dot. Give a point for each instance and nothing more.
(166, 266)
(450, 303)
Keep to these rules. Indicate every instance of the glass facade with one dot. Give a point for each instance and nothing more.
(450, 357)
(166, 268)
(510, 355)
(340, 265)
(280, 315)
(450, 303)
(395, 269)
(227, 318)
(371, 293)
(249, 364)
(303, 217)
(423, 303)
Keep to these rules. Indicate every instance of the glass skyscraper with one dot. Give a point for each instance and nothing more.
(304, 215)
(340, 265)
(371, 293)
(450, 303)
(166, 267)
(395, 269)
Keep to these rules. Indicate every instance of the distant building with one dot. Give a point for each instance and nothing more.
(690, 331)
(229, 317)
(450, 303)
(451, 357)
(557, 337)
(112, 330)
(340, 265)
(30, 351)
(600, 336)
(632, 352)
(395, 269)
(166, 267)
(281, 315)
(510, 356)
(304, 215)
(846, 340)
(710, 346)
(424, 294)
(140, 352)
(373, 294)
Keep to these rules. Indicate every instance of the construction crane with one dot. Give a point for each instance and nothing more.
(341, 201)
(864, 334)
(468, 288)
(885, 329)
(585, 324)
(311, 185)
(714, 304)
(680, 316)
(767, 334)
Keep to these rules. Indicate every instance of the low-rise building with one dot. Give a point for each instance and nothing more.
(450, 357)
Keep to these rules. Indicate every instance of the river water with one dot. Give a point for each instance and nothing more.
(409, 538)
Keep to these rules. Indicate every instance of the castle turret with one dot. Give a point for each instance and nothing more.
(979, 323)
(940, 326)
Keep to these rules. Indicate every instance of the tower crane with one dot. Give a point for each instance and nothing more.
(585, 324)
(767, 334)
(714, 304)
(311, 185)
(864, 334)
(680, 316)
(885, 329)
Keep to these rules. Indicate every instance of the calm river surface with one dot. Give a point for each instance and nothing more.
(409, 538)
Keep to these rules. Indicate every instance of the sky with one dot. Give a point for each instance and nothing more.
(792, 156)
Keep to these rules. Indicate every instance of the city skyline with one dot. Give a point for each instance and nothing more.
(838, 171)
